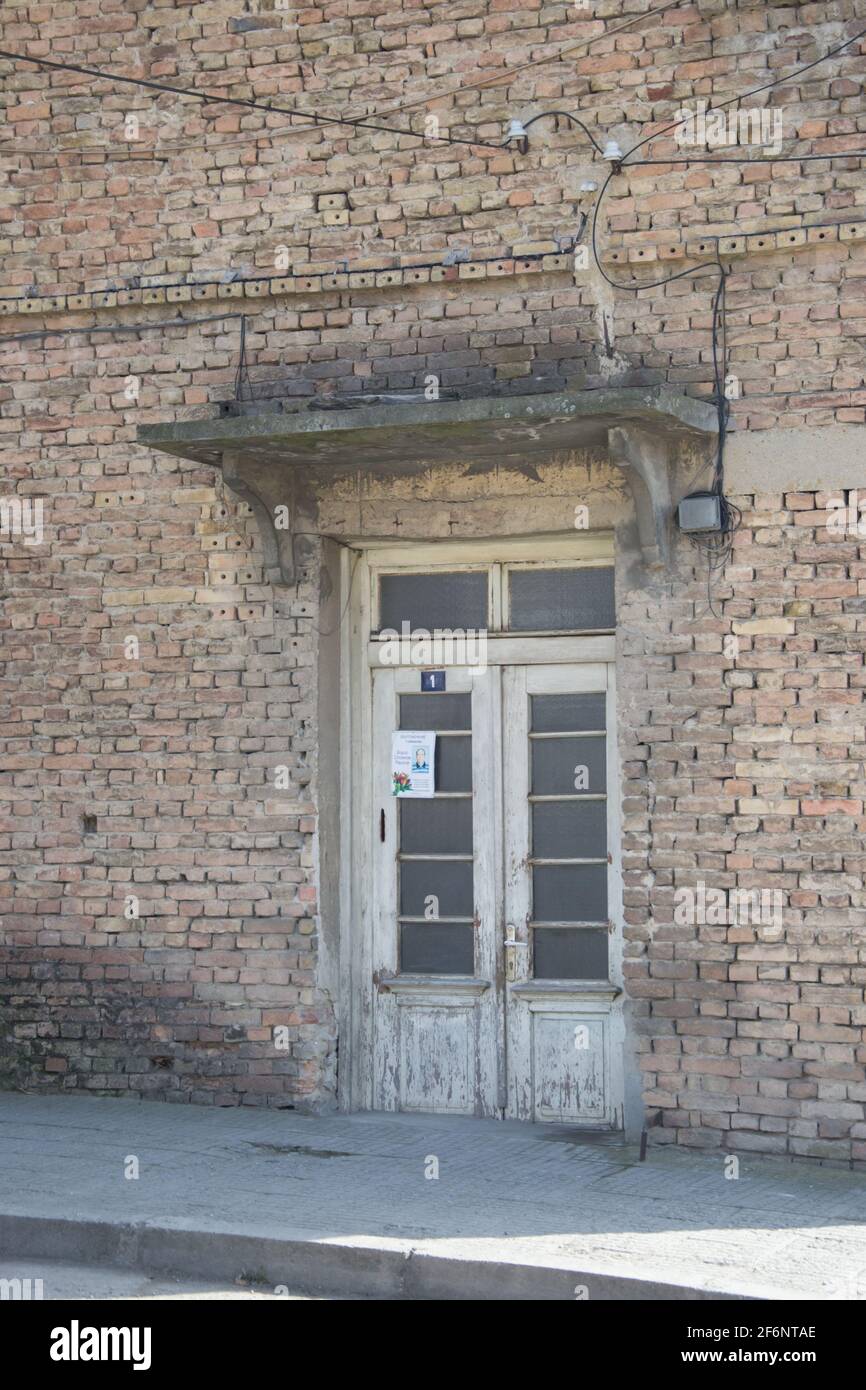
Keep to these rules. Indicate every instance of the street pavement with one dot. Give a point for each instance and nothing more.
(409, 1206)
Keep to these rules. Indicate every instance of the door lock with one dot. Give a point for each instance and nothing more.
(511, 948)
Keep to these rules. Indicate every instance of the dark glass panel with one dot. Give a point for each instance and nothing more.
(567, 713)
(443, 599)
(448, 880)
(567, 953)
(569, 892)
(569, 829)
(554, 764)
(428, 826)
(561, 599)
(448, 949)
(454, 764)
(445, 711)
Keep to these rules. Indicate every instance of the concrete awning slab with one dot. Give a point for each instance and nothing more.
(400, 437)
(272, 458)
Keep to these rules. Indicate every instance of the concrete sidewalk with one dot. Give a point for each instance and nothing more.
(344, 1204)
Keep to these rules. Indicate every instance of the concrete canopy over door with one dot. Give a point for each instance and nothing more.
(277, 459)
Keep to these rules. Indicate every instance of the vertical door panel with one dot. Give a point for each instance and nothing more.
(563, 1023)
(436, 901)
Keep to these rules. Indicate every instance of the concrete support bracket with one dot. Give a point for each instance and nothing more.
(646, 460)
(270, 496)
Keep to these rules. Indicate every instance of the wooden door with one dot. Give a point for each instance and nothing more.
(495, 935)
(561, 929)
(437, 901)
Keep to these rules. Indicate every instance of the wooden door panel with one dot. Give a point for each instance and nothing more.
(438, 1051)
(437, 1015)
(562, 1021)
(569, 1065)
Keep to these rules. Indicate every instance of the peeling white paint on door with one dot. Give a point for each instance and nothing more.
(488, 1038)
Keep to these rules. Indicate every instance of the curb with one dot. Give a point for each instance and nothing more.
(326, 1268)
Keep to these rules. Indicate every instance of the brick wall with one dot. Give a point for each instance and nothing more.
(744, 771)
(83, 207)
(174, 750)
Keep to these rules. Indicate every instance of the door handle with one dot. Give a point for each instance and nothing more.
(511, 948)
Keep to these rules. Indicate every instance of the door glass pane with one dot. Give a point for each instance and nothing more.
(553, 714)
(454, 764)
(554, 600)
(443, 711)
(568, 953)
(440, 826)
(569, 829)
(446, 949)
(436, 826)
(569, 892)
(571, 826)
(442, 599)
(450, 881)
(558, 766)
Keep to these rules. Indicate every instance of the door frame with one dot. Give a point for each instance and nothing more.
(360, 564)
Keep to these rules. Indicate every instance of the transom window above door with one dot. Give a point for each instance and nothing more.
(525, 597)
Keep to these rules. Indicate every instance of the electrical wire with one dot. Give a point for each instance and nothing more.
(116, 328)
(404, 106)
(159, 153)
(754, 91)
(750, 159)
(318, 120)
(566, 115)
(534, 62)
(608, 33)
(623, 163)
(249, 103)
(716, 546)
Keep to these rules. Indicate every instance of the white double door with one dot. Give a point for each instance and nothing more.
(496, 941)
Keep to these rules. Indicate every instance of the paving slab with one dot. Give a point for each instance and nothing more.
(398, 1206)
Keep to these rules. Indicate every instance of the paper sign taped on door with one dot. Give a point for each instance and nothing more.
(413, 762)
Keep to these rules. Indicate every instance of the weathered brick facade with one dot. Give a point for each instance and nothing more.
(740, 770)
(748, 773)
